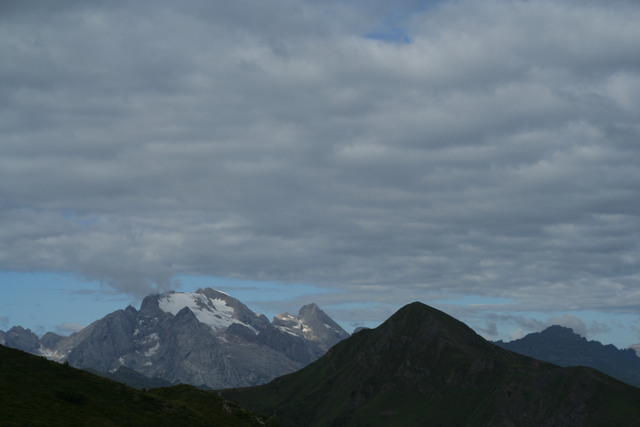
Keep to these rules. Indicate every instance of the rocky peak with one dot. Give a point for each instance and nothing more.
(149, 306)
(309, 310)
(561, 332)
(312, 324)
(240, 311)
(22, 339)
(50, 339)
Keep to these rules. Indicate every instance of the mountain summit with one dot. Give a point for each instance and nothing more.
(423, 367)
(205, 338)
(312, 324)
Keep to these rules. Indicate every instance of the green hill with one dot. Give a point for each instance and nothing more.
(424, 368)
(38, 392)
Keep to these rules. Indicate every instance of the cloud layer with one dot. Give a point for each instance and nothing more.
(496, 154)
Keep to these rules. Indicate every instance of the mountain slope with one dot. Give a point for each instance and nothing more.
(132, 378)
(562, 346)
(38, 392)
(423, 367)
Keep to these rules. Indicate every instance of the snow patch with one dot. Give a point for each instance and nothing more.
(287, 330)
(153, 337)
(153, 350)
(50, 354)
(213, 312)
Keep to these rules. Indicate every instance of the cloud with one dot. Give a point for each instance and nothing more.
(4, 321)
(490, 330)
(495, 155)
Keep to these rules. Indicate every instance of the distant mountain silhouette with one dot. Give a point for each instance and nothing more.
(424, 368)
(562, 346)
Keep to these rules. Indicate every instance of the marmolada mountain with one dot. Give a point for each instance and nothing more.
(205, 338)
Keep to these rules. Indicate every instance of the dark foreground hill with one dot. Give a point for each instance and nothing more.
(424, 368)
(562, 346)
(38, 392)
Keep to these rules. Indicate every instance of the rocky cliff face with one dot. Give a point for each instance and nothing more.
(206, 338)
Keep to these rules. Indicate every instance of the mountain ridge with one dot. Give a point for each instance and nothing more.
(564, 347)
(424, 367)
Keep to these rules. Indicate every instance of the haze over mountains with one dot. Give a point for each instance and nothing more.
(206, 338)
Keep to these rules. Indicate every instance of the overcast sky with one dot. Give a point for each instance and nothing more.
(480, 151)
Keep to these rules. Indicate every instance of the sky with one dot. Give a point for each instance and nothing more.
(479, 156)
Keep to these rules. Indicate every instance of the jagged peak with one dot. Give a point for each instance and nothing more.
(559, 329)
(19, 329)
(309, 308)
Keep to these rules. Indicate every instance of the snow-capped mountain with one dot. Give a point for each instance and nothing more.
(636, 348)
(203, 338)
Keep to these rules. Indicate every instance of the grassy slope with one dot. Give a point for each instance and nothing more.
(429, 369)
(37, 392)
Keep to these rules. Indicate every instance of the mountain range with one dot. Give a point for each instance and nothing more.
(205, 338)
(423, 367)
(562, 346)
(420, 367)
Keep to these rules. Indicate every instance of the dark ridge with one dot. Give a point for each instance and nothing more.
(424, 367)
(38, 392)
(563, 347)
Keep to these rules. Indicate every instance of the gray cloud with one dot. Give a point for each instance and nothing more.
(4, 321)
(495, 155)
